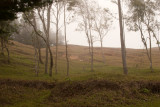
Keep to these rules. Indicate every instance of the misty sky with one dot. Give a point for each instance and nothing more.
(133, 39)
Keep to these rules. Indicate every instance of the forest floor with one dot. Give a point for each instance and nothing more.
(107, 86)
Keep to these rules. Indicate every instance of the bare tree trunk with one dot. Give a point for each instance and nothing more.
(90, 36)
(149, 52)
(46, 60)
(39, 50)
(46, 40)
(123, 49)
(51, 62)
(103, 57)
(47, 31)
(36, 55)
(49, 47)
(91, 40)
(157, 39)
(65, 33)
(56, 59)
(2, 46)
(92, 56)
(57, 43)
(86, 23)
(38, 46)
(38, 67)
(98, 29)
(40, 55)
(8, 54)
(89, 44)
(145, 44)
(150, 41)
(36, 61)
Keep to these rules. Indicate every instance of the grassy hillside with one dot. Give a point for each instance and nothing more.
(106, 86)
(22, 64)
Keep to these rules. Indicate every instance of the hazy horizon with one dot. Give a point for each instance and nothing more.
(133, 39)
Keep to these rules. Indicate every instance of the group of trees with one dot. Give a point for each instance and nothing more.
(52, 14)
(25, 32)
(47, 15)
(8, 13)
(91, 18)
(144, 18)
(6, 30)
(94, 21)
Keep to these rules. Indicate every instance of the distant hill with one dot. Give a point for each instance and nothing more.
(135, 57)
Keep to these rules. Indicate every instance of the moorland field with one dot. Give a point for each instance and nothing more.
(107, 86)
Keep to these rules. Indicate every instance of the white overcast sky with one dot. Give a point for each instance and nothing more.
(133, 39)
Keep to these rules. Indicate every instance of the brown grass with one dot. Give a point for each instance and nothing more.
(135, 57)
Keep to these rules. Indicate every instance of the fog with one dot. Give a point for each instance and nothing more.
(133, 39)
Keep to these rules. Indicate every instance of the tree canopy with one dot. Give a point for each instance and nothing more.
(9, 8)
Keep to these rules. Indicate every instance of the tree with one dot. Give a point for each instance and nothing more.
(143, 19)
(65, 34)
(8, 12)
(46, 27)
(33, 33)
(67, 20)
(123, 48)
(24, 35)
(36, 56)
(7, 28)
(84, 24)
(102, 23)
(10, 8)
(57, 13)
(46, 30)
(84, 9)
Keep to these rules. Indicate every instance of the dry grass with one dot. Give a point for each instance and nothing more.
(135, 57)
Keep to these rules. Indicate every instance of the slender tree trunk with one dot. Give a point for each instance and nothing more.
(65, 33)
(92, 56)
(8, 54)
(51, 62)
(144, 41)
(103, 57)
(145, 44)
(57, 42)
(47, 31)
(48, 35)
(46, 40)
(150, 44)
(86, 32)
(89, 44)
(2, 46)
(150, 41)
(101, 41)
(46, 60)
(36, 55)
(39, 50)
(38, 67)
(40, 55)
(92, 52)
(56, 59)
(158, 39)
(36, 61)
(90, 36)
(149, 52)
(123, 51)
